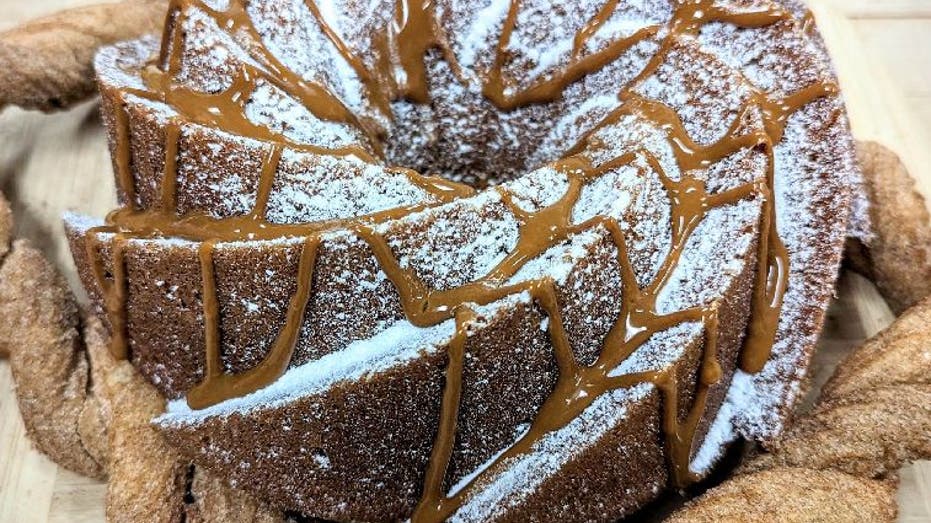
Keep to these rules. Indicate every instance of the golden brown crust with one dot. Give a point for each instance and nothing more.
(899, 257)
(47, 360)
(147, 477)
(35, 307)
(868, 434)
(794, 494)
(47, 63)
(901, 354)
(875, 412)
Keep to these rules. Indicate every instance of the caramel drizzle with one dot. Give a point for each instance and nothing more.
(317, 98)
(129, 223)
(592, 27)
(414, 32)
(122, 156)
(578, 386)
(267, 181)
(219, 385)
(226, 110)
(808, 22)
(377, 85)
(504, 94)
(112, 288)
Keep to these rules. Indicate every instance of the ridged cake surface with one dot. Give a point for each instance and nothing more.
(460, 259)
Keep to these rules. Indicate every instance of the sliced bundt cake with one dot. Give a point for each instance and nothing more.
(620, 264)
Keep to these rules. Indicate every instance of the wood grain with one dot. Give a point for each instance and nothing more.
(54, 163)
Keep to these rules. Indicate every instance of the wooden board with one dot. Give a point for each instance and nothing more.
(50, 164)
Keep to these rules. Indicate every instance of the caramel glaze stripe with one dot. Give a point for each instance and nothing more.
(496, 89)
(776, 111)
(123, 156)
(773, 272)
(317, 98)
(679, 435)
(414, 30)
(169, 183)
(131, 223)
(219, 385)
(442, 450)
(266, 181)
(808, 22)
(417, 33)
(112, 288)
(577, 386)
(213, 366)
(226, 110)
(591, 28)
(506, 97)
(772, 275)
(377, 86)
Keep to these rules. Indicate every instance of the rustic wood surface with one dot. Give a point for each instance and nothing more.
(53, 163)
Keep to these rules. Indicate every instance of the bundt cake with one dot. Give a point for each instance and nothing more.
(618, 263)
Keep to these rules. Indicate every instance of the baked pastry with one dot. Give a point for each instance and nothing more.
(357, 341)
(41, 337)
(898, 258)
(794, 494)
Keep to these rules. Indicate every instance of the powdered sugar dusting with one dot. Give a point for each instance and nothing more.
(312, 188)
(722, 241)
(454, 244)
(462, 136)
(399, 343)
(539, 189)
(487, 22)
(559, 261)
(706, 97)
(517, 478)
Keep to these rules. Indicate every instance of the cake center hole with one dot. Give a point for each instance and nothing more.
(462, 136)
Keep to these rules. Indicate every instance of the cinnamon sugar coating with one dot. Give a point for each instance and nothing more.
(146, 475)
(6, 240)
(48, 63)
(794, 494)
(875, 412)
(47, 360)
(899, 355)
(215, 502)
(867, 434)
(898, 258)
